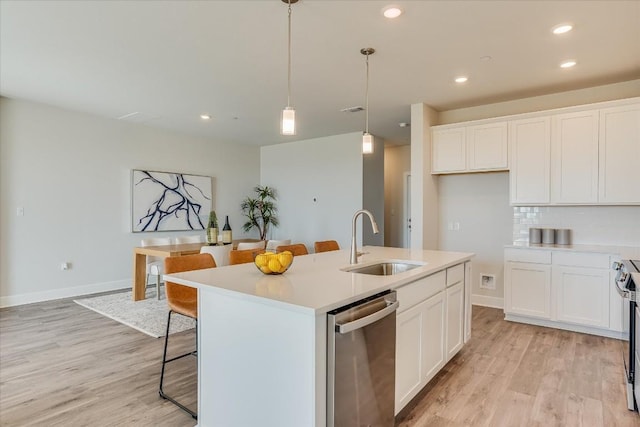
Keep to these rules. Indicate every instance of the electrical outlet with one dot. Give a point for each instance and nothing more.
(456, 226)
(487, 281)
(20, 211)
(65, 266)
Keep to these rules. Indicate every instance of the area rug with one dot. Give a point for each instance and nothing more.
(148, 316)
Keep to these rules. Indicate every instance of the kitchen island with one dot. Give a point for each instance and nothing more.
(262, 339)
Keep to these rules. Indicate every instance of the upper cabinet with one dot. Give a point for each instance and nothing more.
(530, 160)
(619, 148)
(574, 158)
(477, 148)
(582, 155)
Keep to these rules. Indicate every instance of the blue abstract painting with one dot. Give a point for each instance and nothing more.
(166, 201)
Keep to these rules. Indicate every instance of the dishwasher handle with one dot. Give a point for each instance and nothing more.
(344, 328)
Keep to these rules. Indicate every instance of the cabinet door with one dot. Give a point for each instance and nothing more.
(455, 318)
(487, 147)
(619, 155)
(448, 150)
(467, 301)
(530, 145)
(574, 157)
(528, 289)
(582, 295)
(419, 347)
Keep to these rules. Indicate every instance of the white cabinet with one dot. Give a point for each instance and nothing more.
(467, 301)
(528, 289)
(574, 158)
(448, 150)
(619, 146)
(477, 148)
(530, 145)
(582, 295)
(429, 329)
(455, 319)
(419, 347)
(487, 147)
(565, 289)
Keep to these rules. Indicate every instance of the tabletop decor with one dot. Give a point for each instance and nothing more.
(212, 228)
(169, 201)
(260, 211)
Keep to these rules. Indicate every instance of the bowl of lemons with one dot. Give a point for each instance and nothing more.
(273, 263)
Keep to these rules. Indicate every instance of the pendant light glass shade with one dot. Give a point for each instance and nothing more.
(367, 143)
(288, 121)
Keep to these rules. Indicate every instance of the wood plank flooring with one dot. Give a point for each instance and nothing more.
(64, 365)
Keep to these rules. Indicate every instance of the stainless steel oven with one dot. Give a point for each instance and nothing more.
(627, 277)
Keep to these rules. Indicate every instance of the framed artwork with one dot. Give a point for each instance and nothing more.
(169, 201)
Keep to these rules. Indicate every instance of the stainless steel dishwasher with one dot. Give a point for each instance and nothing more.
(361, 351)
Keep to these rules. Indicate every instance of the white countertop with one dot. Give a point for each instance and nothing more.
(315, 283)
(625, 252)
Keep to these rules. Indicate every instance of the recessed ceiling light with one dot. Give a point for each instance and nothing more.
(486, 58)
(461, 79)
(562, 28)
(205, 117)
(568, 64)
(391, 12)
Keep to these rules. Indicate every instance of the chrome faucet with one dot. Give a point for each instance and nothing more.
(354, 249)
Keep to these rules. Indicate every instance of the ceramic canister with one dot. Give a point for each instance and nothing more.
(563, 236)
(535, 235)
(548, 236)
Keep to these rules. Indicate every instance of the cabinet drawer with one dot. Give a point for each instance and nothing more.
(581, 259)
(528, 255)
(455, 274)
(418, 291)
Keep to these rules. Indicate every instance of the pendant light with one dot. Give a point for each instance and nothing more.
(367, 139)
(288, 125)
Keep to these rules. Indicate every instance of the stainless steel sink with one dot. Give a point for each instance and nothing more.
(385, 268)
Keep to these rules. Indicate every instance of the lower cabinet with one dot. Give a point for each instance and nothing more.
(430, 329)
(565, 289)
(419, 347)
(455, 319)
(529, 290)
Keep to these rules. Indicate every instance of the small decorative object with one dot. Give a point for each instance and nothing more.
(260, 211)
(273, 263)
(212, 229)
(226, 232)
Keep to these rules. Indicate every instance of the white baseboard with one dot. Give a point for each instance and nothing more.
(13, 300)
(485, 301)
(567, 326)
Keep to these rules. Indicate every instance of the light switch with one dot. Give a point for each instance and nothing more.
(20, 211)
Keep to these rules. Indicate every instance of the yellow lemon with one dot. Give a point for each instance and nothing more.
(285, 259)
(265, 269)
(262, 260)
(274, 264)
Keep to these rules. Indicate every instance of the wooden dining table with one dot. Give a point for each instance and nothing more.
(140, 254)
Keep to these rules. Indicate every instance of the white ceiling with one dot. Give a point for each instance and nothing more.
(170, 61)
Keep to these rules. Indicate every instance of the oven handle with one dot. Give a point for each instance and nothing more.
(624, 293)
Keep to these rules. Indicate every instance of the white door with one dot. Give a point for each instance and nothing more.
(455, 317)
(487, 147)
(528, 289)
(449, 150)
(530, 147)
(582, 295)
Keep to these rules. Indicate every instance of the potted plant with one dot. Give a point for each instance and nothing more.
(212, 228)
(260, 211)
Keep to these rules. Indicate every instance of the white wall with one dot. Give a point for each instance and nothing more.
(479, 203)
(71, 173)
(397, 162)
(319, 183)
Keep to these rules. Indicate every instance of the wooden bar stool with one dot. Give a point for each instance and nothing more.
(296, 249)
(326, 246)
(244, 256)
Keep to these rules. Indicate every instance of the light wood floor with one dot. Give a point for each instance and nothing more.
(64, 365)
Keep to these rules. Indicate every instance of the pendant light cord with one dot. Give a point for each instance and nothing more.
(289, 63)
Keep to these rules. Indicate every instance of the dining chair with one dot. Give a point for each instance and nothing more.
(182, 300)
(326, 246)
(154, 263)
(296, 249)
(243, 246)
(243, 256)
(189, 239)
(220, 253)
(272, 245)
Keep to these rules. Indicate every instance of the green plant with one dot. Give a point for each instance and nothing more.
(260, 211)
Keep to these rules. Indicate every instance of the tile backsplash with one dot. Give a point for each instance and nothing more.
(590, 225)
